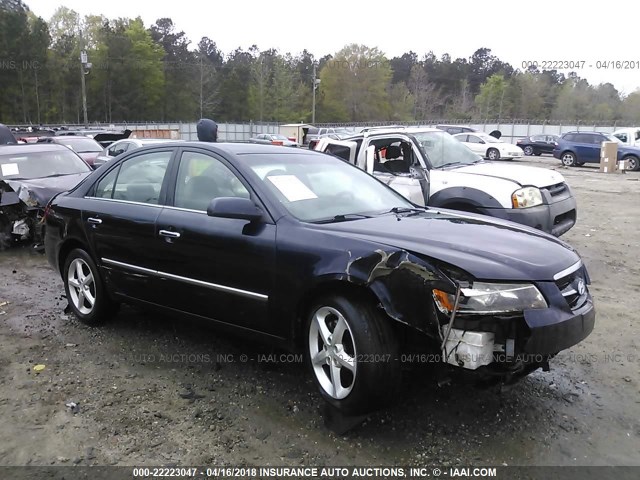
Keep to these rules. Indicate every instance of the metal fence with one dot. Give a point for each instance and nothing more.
(512, 130)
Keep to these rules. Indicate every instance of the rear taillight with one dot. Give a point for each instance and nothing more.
(293, 139)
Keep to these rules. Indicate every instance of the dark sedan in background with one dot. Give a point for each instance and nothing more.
(30, 175)
(538, 144)
(87, 148)
(308, 252)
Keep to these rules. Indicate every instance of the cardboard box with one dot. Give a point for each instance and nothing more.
(621, 167)
(608, 157)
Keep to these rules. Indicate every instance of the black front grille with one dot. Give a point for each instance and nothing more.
(557, 189)
(573, 288)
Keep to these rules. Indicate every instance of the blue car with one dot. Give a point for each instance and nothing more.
(577, 148)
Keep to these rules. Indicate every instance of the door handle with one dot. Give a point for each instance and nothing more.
(94, 221)
(168, 234)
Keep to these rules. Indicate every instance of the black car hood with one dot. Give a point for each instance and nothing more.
(488, 250)
(38, 191)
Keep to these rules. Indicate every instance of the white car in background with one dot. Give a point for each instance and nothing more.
(489, 147)
(629, 136)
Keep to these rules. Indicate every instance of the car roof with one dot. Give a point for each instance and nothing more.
(392, 130)
(31, 148)
(628, 129)
(236, 148)
(151, 141)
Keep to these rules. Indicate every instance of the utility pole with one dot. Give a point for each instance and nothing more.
(85, 66)
(316, 82)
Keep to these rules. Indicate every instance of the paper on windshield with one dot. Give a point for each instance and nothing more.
(9, 169)
(292, 188)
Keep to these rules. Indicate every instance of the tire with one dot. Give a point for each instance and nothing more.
(580, 164)
(493, 154)
(537, 154)
(633, 162)
(85, 291)
(569, 159)
(356, 372)
(528, 150)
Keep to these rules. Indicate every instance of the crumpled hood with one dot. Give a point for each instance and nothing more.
(539, 177)
(37, 192)
(486, 248)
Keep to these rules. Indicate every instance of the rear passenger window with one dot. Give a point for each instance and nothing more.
(136, 180)
(570, 137)
(106, 184)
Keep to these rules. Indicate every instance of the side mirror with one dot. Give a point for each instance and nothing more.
(370, 155)
(234, 207)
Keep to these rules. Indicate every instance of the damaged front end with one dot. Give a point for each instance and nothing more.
(21, 215)
(496, 330)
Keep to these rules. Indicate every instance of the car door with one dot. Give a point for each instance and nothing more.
(217, 268)
(119, 217)
(346, 150)
(476, 144)
(587, 147)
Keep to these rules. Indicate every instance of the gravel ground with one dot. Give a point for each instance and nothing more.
(153, 390)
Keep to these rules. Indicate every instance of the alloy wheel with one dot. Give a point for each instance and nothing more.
(82, 286)
(332, 352)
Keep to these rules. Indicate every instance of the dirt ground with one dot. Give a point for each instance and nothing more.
(152, 390)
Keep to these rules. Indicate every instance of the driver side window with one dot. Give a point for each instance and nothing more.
(138, 179)
(202, 178)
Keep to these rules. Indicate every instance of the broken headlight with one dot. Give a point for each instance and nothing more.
(526, 197)
(492, 298)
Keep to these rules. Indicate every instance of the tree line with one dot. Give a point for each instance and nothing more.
(154, 73)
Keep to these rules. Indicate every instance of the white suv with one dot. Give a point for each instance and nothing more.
(430, 167)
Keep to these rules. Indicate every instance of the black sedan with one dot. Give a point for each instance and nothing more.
(310, 253)
(538, 144)
(30, 175)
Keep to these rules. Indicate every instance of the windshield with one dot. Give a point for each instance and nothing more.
(442, 149)
(29, 165)
(279, 137)
(81, 145)
(319, 187)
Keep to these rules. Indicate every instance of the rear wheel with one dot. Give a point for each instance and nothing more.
(633, 162)
(493, 154)
(569, 159)
(85, 290)
(352, 353)
(528, 150)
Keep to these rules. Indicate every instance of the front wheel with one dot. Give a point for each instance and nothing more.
(85, 291)
(493, 154)
(568, 159)
(352, 353)
(528, 150)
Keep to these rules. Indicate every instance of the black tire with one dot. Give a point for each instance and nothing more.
(569, 159)
(528, 150)
(368, 341)
(537, 154)
(493, 154)
(103, 307)
(580, 164)
(633, 162)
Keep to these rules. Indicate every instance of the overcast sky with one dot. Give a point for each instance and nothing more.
(515, 31)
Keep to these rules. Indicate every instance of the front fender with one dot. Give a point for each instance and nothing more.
(457, 195)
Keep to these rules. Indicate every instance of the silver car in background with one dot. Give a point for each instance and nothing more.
(126, 145)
